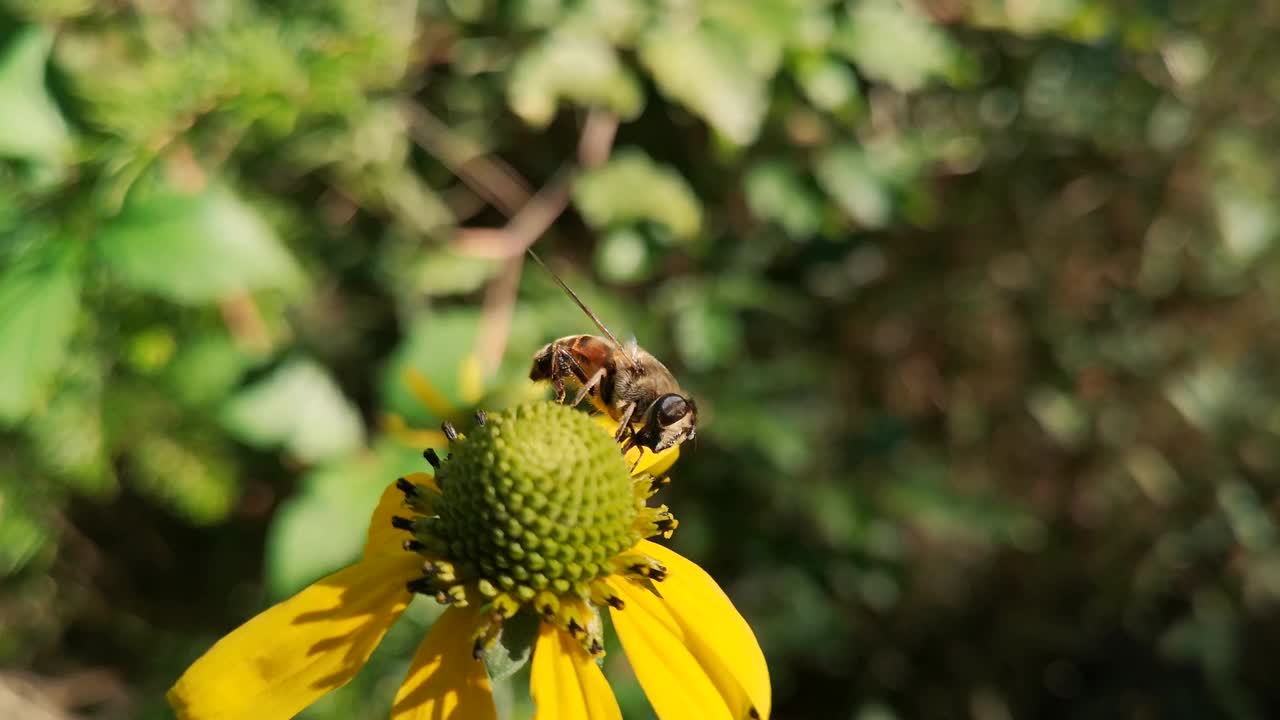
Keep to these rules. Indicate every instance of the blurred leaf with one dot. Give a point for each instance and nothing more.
(1060, 414)
(513, 648)
(444, 272)
(413, 202)
(777, 192)
(323, 525)
(299, 407)
(705, 72)
(195, 248)
(631, 187)
(435, 346)
(623, 256)
(828, 83)
(40, 300)
(189, 475)
(895, 43)
(31, 125)
(206, 369)
(575, 65)
(847, 175)
(23, 530)
(707, 333)
(69, 437)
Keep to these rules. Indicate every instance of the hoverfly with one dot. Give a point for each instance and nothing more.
(625, 382)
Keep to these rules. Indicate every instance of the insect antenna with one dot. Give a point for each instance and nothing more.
(608, 333)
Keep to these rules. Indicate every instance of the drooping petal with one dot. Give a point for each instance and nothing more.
(383, 539)
(445, 682)
(673, 679)
(471, 380)
(281, 661)
(396, 426)
(566, 683)
(713, 630)
(428, 394)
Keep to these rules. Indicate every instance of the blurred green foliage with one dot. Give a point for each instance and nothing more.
(978, 300)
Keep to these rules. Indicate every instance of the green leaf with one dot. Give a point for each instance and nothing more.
(434, 346)
(189, 475)
(895, 44)
(513, 648)
(575, 65)
(631, 187)
(206, 369)
(323, 526)
(68, 437)
(300, 407)
(445, 272)
(828, 83)
(31, 125)
(40, 299)
(623, 256)
(24, 530)
(705, 72)
(707, 333)
(777, 192)
(847, 174)
(195, 248)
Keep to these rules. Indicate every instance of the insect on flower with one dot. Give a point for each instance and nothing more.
(533, 514)
(625, 382)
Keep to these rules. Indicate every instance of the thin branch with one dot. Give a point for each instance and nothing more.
(521, 231)
(491, 178)
(537, 215)
(524, 228)
(495, 318)
(244, 321)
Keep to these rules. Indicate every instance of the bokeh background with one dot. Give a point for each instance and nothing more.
(979, 300)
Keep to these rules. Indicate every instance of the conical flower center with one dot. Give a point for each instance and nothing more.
(535, 507)
(535, 498)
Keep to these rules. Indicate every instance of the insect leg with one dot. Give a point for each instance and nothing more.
(557, 372)
(639, 457)
(587, 386)
(624, 422)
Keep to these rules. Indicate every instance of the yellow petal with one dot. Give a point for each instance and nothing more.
(650, 463)
(566, 683)
(428, 394)
(382, 538)
(471, 380)
(673, 679)
(395, 425)
(445, 682)
(281, 661)
(713, 630)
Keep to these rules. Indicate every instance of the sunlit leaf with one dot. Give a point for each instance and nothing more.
(31, 126)
(24, 530)
(895, 43)
(847, 175)
(631, 188)
(300, 408)
(775, 191)
(705, 73)
(193, 248)
(39, 299)
(323, 525)
(189, 475)
(205, 369)
(573, 65)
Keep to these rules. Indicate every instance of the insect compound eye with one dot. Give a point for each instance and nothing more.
(671, 408)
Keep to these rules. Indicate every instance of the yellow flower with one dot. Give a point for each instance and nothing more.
(534, 512)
